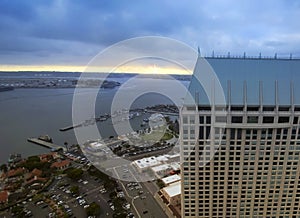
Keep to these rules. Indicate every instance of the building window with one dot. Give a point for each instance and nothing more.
(252, 119)
(283, 119)
(268, 119)
(208, 120)
(237, 119)
(201, 119)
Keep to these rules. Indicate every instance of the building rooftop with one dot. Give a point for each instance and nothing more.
(146, 162)
(96, 145)
(161, 167)
(62, 163)
(173, 189)
(175, 165)
(15, 172)
(162, 158)
(3, 196)
(170, 156)
(246, 79)
(36, 172)
(170, 179)
(153, 161)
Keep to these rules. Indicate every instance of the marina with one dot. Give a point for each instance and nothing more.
(129, 114)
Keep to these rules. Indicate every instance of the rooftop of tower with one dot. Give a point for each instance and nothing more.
(251, 80)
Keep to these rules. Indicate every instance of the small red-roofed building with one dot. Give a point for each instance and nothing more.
(15, 172)
(36, 180)
(45, 157)
(49, 157)
(36, 172)
(3, 197)
(60, 165)
(55, 155)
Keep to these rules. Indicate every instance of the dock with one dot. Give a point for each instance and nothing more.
(91, 121)
(45, 144)
(63, 129)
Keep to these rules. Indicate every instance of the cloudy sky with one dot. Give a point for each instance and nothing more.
(67, 34)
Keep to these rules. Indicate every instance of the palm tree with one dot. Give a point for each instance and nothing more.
(66, 145)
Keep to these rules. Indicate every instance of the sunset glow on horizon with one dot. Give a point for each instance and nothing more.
(108, 69)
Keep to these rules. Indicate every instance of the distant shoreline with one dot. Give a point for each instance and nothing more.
(56, 74)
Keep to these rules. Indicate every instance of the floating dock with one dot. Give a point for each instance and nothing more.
(45, 144)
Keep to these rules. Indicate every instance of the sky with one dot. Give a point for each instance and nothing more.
(65, 35)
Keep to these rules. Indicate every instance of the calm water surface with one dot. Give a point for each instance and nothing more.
(33, 112)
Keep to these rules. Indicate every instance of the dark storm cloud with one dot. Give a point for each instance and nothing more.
(66, 30)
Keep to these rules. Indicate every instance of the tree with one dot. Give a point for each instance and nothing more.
(74, 189)
(160, 183)
(93, 210)
(34, 162)
(74, 173)
(3, 168)
(66, 145)
(167, 119)
(33, 159)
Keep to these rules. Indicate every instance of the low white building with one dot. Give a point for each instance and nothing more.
(172, 193)
(161, 170)
(175, 166)
(173, 157)
(149, 162)
(171, 179)
(145, 163)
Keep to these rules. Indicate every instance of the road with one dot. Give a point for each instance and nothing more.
(142, 200)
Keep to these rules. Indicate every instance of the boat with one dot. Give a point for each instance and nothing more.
(45, 138)
(14, 158)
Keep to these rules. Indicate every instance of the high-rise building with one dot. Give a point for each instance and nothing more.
(241, 158)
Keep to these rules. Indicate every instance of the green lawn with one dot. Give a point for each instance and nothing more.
(157, 134)
(167, 136)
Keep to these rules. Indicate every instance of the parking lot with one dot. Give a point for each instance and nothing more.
(59, 197)
(89, 191)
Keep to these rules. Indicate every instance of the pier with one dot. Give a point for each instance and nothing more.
(45, 144)
(91, 121)
(63, 129)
